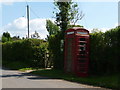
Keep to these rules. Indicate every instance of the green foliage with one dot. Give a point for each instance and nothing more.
(52, 28)
(55, 54)
(14, 38)
(71, 26)
(55, 51)
(104, 52)
(6, 37)
(15, 65)
(6, 34)
(65, 13)
(39, 53)
(28, 51)
(62, 17)
(26, 69)
(110, 81)
(35, 35)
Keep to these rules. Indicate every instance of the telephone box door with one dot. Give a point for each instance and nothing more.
(82, 57)
(69, 54)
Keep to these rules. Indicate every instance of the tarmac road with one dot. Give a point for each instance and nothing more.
(17, 79)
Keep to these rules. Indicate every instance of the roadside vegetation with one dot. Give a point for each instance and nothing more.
(107, 81)
(35, 54)
(25, 53)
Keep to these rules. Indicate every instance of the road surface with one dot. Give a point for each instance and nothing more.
(17, 79)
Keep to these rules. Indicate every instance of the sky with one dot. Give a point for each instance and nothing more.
(101, 15)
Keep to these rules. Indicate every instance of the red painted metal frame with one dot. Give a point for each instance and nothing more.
(65, 62)
(76, 66)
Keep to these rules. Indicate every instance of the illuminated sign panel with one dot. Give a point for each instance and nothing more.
(82, 33)
(70, 32)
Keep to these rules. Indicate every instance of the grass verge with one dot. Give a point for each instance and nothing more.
(101, 81)
(14, 65)
(26, 69)
(110, 81)
(17, 66)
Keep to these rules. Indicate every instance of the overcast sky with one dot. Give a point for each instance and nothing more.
(101, 15)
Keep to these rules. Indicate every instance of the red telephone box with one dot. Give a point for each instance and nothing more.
(77, 51)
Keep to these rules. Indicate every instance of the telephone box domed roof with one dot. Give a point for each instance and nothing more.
(77, 29)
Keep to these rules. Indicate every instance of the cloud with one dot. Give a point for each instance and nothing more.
(19, 27)
(7, 2)
(104, 29)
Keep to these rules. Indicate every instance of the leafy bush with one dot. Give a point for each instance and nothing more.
(29, 51)
(104, 52)
(6, 37)
(56, 53)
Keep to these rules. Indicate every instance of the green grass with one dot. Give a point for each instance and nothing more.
(14, 65)
(110, 81)
(25, 69)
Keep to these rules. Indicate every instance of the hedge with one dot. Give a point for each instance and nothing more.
(104, 52)
(29, 51)
(56, 54)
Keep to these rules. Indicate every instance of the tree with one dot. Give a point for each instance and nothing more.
(71, 26)
(52, 28)
(6, 34)
(75, 14)
(15, 38)
(35, 35)
(6, 37)
(67, 12)
(62, 16)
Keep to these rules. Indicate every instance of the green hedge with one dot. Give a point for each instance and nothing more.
(30, 52)
(56, 54)
(104, 52)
